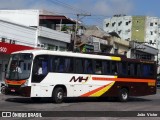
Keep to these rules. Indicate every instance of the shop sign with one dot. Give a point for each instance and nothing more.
(8, 48)
(3, 49)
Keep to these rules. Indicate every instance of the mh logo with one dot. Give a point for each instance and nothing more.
(79, 79)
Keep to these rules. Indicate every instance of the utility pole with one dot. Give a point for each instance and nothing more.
(77, 22)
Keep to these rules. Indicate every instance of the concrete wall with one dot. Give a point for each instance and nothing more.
(152, 30)
(138, 28)
(24, 17)
(21, 34)
(121, 25)
(53, 34)
(52, 44)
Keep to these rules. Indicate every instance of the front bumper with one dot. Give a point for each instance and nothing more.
(18, 90)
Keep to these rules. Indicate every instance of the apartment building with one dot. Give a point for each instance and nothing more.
(137, 28)
(143, 33)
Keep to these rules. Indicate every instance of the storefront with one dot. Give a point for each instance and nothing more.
(5, 50)
(143, 51)
(87, 48)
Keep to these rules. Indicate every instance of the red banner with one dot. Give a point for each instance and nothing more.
(7, 48)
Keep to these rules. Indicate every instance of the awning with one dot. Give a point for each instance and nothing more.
(7, 48)
(58, 19)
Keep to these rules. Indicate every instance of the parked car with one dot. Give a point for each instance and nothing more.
(158, 81)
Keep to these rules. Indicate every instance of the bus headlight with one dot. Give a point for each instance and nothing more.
(25, 84)
(5, 84)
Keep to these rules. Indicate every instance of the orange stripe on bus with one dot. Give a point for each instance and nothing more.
(93, 91)
(19, 82)
(123, 79)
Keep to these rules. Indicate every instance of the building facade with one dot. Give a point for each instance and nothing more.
(48, 26)
(103, 42)
(144, 31)
(31, 29)
(137, 28)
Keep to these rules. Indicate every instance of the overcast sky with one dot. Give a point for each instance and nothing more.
(99, 9)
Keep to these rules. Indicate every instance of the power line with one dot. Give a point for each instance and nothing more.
(67, 6)
(63, 4)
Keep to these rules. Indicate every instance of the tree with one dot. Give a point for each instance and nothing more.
(64, 27)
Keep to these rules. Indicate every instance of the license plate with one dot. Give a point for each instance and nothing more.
(12, 90)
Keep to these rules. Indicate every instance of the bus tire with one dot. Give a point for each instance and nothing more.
(123, 95)
(58, 95)
(3, 90)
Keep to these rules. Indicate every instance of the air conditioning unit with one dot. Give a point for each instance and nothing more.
(42, 45)
(38, 45)
(12, 41)
(3, 39)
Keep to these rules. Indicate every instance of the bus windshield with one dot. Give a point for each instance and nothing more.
(19, 66)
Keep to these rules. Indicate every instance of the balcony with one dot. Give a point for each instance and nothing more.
(53, 34)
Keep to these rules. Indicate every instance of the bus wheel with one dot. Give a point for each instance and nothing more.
(123, 95)
(58, 95)
(3, 90)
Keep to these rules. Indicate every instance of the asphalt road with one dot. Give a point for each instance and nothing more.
(149, 103)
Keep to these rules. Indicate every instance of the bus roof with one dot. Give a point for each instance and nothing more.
(84, 55)
(70, 54)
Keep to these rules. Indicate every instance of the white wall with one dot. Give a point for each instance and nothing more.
(21, 34)
(152, 32)
(24, 17)
(42, 40)
(123, 30)
(53, 34)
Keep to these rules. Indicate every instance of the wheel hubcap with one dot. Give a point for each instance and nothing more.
(124, 96)
(3, 90)
(60, 95)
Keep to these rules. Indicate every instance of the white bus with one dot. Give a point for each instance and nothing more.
(55, 74)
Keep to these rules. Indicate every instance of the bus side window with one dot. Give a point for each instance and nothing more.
(114, 68)
(139, 70)
(123, 68)
(147, 71)
(106, 67)
(55, 63)
(61, 65)
(58, 64)
(88, 67)
(151, 73)
(98, 67)
(44, 67)
(78, 65)
(68, 65)
(132, 69)
(40, 68)
(35, 66)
